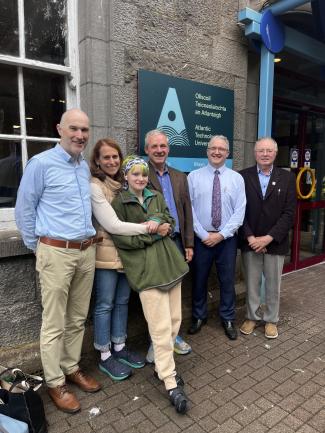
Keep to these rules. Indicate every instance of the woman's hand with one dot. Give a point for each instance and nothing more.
(164, 229)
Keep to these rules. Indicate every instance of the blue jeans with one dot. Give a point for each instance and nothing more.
(112, 293)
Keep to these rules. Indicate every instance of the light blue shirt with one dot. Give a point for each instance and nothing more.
(167, 189)
(264, 179)
(54, 198)
(233, 200)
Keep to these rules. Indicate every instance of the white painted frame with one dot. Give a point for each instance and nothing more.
(72, 88)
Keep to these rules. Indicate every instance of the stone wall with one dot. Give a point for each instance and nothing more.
(196, 40)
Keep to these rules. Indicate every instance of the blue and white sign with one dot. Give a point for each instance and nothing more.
(272, 32)
(189, 113)
(294, 154)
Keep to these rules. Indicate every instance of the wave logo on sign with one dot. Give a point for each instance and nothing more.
(171, 120)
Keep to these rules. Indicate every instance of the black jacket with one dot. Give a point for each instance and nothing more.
(274, 215)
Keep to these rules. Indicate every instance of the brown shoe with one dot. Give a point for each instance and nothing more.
(271, 330)
(85, 382)
(64, 399)
(247, 327)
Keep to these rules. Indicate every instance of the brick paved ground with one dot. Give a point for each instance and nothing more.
(251, 385)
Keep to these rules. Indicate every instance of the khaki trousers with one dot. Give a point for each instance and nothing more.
(66, 277)
(271, 266)
(163, 313)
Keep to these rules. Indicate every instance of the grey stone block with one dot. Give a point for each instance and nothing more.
(239, 124)
(20, 323)
(238, 156)
(203, 14)
(93, 61)
(17, 283)
(249, 154)
(123, 19)
(123, 101)
(253, 68)
(230, 56)
(11, 244)
(98, 132)
(95, 102)
(200, 44)
(119, 134)
(116, 63)
(93, 19)
(160, 33)
(240, 94)
(251, 127)
(252, 98)
(232, 30)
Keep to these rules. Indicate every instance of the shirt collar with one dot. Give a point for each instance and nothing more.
(156, 170)
(259, 171)
(66, 156)
(213, 169)
(146, 193)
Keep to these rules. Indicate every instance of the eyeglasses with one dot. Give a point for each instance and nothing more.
(218, 149)
(264, 150)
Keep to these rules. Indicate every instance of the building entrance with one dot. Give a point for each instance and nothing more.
(301, 128)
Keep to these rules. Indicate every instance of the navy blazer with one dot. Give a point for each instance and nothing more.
(274, 215)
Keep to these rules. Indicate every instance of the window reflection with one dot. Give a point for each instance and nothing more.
(44, 102)
(312, 233)
(45, 30)
(9, 104)
(10, 171)
(9, 39)
(35, 147)
(315, 136)
(285, 132)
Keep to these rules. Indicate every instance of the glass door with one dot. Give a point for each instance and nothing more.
(312, 211)
(304, 130)
(286, 134)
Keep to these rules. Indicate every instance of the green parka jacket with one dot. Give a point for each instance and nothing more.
(149, 261)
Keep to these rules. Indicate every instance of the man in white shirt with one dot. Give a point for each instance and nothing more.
(218, 204)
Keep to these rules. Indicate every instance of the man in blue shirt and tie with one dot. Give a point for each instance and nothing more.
(218, 206)
(53, 213)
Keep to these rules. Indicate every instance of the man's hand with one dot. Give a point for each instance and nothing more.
(188, 254)
(259, 243)
(152, 226)
(213, 239)
(164, 229)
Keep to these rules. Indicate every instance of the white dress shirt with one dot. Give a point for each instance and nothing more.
(233, 200)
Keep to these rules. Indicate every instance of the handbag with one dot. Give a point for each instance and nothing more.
(19, 399)
(11, 425)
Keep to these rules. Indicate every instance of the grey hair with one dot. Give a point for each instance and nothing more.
(151, 133)
(219, 137)
(267, 138)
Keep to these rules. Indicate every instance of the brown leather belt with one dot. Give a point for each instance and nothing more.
(82, 245)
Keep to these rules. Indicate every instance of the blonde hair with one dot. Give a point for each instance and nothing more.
(131, 162)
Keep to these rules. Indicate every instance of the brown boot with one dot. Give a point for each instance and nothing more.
(85, 382)
(64, 399)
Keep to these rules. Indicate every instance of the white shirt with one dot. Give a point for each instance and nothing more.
(233, 200)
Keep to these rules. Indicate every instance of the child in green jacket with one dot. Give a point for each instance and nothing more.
(154, 267)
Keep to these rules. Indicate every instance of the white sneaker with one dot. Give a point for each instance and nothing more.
(150, 358)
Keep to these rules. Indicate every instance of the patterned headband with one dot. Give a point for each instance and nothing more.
(129, 163)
